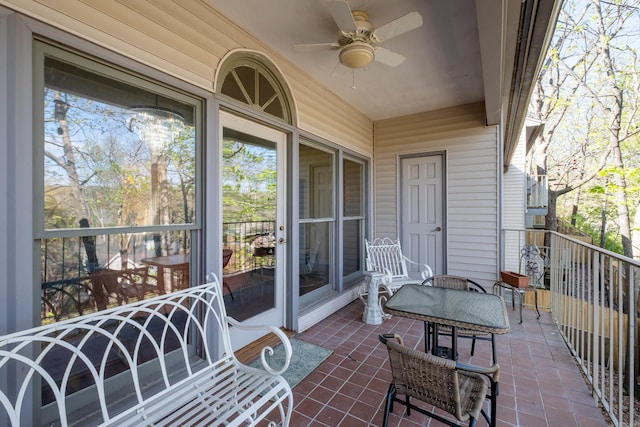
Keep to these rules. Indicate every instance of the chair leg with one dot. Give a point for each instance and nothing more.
(388, 407)
(493, 348)
(494, 394)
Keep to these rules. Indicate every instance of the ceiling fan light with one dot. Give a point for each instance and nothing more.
(357, 55)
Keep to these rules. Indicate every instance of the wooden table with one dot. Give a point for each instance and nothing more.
(170, 262)
(180, 262)
(459, 309)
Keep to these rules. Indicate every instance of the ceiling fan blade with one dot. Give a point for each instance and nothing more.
(341, 13)
(408, 22)
(314, 47)
(388, 57)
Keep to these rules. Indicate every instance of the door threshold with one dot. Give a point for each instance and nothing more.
(252, 350)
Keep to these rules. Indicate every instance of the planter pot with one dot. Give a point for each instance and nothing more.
(514, 279)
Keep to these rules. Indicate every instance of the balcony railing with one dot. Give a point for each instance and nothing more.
(593, 303)
(67, 287)
(252, 243)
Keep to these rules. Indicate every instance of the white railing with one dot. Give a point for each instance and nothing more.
(592, 292)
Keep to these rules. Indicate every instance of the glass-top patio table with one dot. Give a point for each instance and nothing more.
(477, 311)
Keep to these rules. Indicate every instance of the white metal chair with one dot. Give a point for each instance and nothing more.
(308, 262)
(533, 264)
(385, 256)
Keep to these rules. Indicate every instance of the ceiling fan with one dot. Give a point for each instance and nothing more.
(358, 36)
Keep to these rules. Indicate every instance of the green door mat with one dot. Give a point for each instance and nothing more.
(305, 358)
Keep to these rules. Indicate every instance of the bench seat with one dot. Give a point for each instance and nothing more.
(218, 395)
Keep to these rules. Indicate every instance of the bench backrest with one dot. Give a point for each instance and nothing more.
(385, 255)
(115, 358)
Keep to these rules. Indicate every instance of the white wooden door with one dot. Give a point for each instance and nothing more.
(422, 211)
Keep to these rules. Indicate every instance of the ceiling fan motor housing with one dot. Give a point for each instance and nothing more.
(357, 51)
(364, 30)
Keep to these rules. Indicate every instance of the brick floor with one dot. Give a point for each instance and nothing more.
(540, 384)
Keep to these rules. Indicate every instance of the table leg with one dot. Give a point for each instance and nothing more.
(521, 301)
(454, 343)
(446, 352)
(426, 336)
(160, 280)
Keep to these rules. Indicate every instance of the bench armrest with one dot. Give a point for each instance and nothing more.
(286, 344)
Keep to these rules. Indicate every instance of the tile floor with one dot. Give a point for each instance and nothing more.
(540, 384)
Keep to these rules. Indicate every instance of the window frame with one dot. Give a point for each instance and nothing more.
(148, 79)
(362, 218)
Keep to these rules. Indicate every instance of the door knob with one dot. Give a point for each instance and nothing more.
(281, 241)
(437, 229)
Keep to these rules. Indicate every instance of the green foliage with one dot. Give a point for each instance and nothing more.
(586, 96)
(613, 242)
(249, 182)
(112, 167)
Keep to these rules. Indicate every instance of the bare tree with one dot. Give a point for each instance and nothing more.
(580, 95)
(588, 95)
(67, 161)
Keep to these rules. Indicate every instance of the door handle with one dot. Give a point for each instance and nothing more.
(281, 241)
(437, 229)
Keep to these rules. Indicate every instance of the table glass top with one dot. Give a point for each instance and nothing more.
(450, 307)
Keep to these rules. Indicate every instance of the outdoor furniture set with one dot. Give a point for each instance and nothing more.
(446, 307)
(165, 360)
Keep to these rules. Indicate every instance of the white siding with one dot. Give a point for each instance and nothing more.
(472, 173)
(514, 197)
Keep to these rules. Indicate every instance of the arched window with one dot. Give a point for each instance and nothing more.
(252, 79)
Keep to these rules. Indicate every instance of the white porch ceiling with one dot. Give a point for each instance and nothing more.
(443, 65)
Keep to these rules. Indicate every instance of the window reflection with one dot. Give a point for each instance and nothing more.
(317, 219)
(117, 209)
(81, 275)
(353, 220)
(115, 155)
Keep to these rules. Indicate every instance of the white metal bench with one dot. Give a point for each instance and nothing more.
(385, 256)
(167, 360)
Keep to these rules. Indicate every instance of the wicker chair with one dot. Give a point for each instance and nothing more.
(461, 283)
(446, 384)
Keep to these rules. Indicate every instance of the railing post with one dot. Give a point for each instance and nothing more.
(596, 320)
(633, 318)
